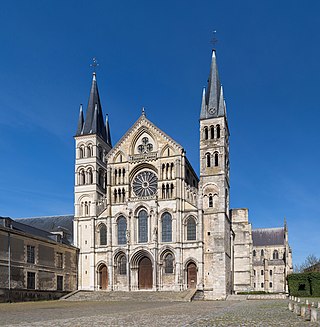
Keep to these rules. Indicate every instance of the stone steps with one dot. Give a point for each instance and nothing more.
(140, 296)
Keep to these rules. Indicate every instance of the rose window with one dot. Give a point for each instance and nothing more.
(145, 184)
(145, 146)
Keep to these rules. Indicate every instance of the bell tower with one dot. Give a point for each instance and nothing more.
(214, 188)
(93, 142)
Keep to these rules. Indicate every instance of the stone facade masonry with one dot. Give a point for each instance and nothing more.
(143, 218)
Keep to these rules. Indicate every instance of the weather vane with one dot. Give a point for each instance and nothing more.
(95, 64)
(214, 39)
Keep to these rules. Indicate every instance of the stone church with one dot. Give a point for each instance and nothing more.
(144, 219)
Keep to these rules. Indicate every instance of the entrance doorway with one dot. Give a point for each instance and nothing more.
(103, 277)
(192, 275)
(145, 273)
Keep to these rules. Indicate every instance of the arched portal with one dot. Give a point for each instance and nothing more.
(103, 277)
(145, 273)
(192, 275)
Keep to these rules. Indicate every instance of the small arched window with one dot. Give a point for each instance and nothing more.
(143, 226)
(191, 229)
(206, 136)
(254, 253)
(218, 131)
(100, 153)
(216, 159)
(212, 132)
(100, 177)
(122, 265)
(81, 177)
(81, 152)
(210, 201)
(122, 229)
(275, 255)
(86, 208)
(90, 176)
(166, 227)
(103, 234)
(262, 253)
(208, 159)
(89, 150)
(168, 264)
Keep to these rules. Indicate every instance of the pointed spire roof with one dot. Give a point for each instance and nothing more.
(94, 123)
(212, 98)
(80, 122)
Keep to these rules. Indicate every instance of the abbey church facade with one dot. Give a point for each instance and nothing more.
(145, 220)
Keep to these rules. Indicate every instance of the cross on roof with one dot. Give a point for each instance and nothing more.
(214, 39)
(95, 64)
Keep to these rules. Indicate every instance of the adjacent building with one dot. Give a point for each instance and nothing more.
(35, 263)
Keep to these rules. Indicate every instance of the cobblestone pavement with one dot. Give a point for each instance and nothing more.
(140, 314)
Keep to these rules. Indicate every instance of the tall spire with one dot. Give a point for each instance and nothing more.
(94, 123)
(80, 122)
(213, 106)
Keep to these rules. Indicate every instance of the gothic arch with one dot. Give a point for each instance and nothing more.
(164, 151)
(139, 254)
(119, 155)
(190, 260)
(164, 250)
(143, 130)
(142, 166)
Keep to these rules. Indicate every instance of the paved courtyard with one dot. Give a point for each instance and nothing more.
(201, 313)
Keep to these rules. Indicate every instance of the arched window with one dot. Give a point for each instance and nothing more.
(103, 234)
(86, 208)
(210, 201)
(275, 255)
(81, 177)
(216, 159)
(90, 176)
(168, 264)
(206, 133)
(100, 177)
(89, 150)
(100, 153)
(166, 227)
(212, 132)
(81, 152)
(208, 159)
(262, 253)
(218, 131)
(143, 226)
(254, 253)
(191, 229)
(122, 229)
(171, 190)
(122, 265)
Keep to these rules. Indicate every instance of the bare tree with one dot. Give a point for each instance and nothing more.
(310, 260)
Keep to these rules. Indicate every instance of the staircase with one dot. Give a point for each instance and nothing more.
(137, 296)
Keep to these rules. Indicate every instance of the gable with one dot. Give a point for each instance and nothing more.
(143, 141)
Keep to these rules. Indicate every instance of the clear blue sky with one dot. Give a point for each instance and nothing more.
(157, 54)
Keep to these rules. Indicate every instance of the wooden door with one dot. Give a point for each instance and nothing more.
(192, 275)
(145, 273)
(103, 274)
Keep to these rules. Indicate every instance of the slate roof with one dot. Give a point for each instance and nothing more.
(268, 236)
(213, 104)
(93, 123)
(52, 224)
